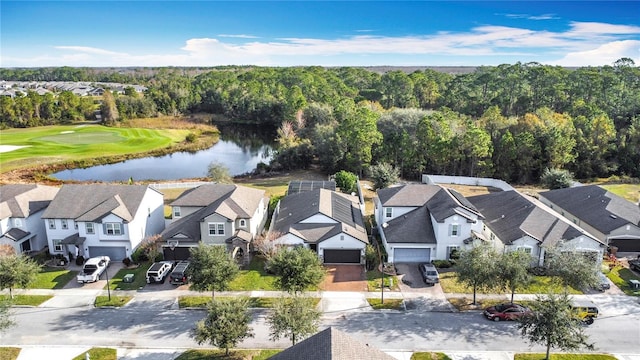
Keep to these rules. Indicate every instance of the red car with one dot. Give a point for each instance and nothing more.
(506, 311)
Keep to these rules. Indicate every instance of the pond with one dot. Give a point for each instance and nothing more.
(240, 149)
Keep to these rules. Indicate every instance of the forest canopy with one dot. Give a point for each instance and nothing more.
(511, 121)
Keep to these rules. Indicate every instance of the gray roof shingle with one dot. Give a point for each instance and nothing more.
(92, 202)
(331, 344)
(511, 216)
(342, 208)
(595, 206)
(22, 200)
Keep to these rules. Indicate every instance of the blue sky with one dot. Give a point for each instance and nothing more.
(325, 33)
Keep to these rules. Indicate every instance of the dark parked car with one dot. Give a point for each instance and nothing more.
(429, 274)
(179, 274)
(508, 311)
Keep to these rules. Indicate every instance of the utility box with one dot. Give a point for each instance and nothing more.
(128, 278)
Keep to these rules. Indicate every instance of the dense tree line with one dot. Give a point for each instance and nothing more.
(511, 121)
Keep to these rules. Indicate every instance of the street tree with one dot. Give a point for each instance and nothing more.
(226, 324)
(513, 269)
(211, 268)
(571, 268)
(17, 271)
(553, 324)
(293, 317)
(219, 173)
(297, 269)
(477, 267)
(346, 181)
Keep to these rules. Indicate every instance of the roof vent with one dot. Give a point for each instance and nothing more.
(613, 216)
(502, 217)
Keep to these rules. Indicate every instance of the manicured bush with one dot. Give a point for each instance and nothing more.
(442, 264)
(80, 260)
(126, 261)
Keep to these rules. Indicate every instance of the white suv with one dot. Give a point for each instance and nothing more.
(158, 272)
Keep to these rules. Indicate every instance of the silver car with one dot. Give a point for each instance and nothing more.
(429, 273)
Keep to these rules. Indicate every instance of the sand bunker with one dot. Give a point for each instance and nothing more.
(7, 148)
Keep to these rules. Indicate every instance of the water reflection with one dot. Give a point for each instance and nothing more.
(240, 149)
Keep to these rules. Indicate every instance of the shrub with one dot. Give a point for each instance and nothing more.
(139, 256)
(191, 137)
(80, 260)
(126, 261)
(442, 264)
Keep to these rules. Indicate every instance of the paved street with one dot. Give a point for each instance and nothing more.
(152, 323)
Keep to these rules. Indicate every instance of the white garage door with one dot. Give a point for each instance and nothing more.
(115, 253)
(411, 255)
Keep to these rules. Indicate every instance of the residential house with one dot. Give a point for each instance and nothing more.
(421, 223)
(323, 220)
(331, 344)
(612, 219)
(95, 220)
(21, 209)
(516, 222)
(216, 214)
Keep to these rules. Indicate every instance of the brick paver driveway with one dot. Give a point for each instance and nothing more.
(344, 278)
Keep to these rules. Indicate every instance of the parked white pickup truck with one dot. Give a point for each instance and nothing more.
(93, 268)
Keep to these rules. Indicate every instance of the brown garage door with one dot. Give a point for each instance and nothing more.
(342, 256)
(626, 245)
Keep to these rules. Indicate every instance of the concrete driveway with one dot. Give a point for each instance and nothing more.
(417, 294)
(344, 278)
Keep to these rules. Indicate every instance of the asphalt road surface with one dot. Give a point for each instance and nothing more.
(409, 331)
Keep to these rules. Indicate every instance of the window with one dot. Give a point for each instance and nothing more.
(89, 227)
(454, 230)
(57, 245)
(17, 222)
(526, 249)
(75, 225)
(216, 229)
(243, 223)
(113, 229)
(388, 212)
(176, 211)
(52, 223)
(65, 226)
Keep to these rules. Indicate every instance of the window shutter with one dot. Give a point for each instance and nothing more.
(104, 228)
(450, 229)
(122, 228)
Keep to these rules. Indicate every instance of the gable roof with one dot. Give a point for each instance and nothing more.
(601, 209)
(340, 207)
(22, 200)
(230, 201)
(510, 216)
(413, 227)
(15, 234)
(331, 344)
(440, 201)
(93, 202)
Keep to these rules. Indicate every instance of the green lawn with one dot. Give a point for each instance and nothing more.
(620, 276)
(374, 281)
(139, 278)
(233, 354)
(29, 300)
(51, 144)
(630, 192)
(52, 278)
(564, 357)
(539, 285)
(253, 278)
(9, 353)
(393, 304)
(117, 301)
(429, 356)
(98, 354)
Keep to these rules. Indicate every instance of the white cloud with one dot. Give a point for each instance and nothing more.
(531, 17)
(605, 54)
(582, 44)
(239, 36)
